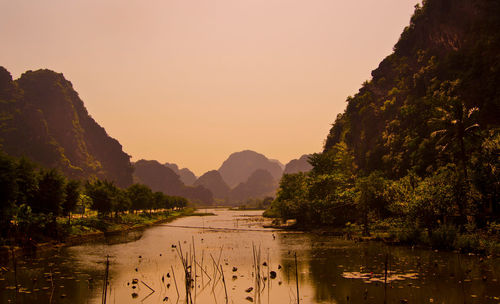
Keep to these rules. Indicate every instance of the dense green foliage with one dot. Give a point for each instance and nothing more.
(32, 199)
(420, 143)
(43, 118)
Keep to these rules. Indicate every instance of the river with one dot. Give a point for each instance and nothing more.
(231, 256)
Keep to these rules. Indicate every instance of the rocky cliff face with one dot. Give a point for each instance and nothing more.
(44, 119)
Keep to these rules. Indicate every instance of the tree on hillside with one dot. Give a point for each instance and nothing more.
(486, 173)
(455, 125)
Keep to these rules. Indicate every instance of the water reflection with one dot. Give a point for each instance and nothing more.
(346, 272)
(257, 265)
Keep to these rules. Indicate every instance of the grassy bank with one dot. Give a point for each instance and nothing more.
(83, 229)
(122, 222)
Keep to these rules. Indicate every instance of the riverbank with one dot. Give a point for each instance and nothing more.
(329, 268)
(484, 242)
(87, 229)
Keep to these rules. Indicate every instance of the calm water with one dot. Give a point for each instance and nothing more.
(143, 266)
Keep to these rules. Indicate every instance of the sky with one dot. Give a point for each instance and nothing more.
(192, 81)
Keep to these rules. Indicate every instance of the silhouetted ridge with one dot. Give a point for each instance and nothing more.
(240, 165)
(259, 185)
(213, 181)
(187, 177)
(161, 178)
(298, 165)
(45, 120)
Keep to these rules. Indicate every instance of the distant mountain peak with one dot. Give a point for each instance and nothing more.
(163, 178)
(213, 181)
(238, 167)
(186, 175)
(258, 185)
(279, 163)
(298, 165)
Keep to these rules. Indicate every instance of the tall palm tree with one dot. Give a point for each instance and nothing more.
(454, 123)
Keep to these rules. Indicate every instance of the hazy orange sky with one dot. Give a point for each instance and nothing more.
(190, 82)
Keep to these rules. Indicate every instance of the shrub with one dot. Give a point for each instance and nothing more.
(493, 229)
(409, 235)
(467, 242)
(443, 237)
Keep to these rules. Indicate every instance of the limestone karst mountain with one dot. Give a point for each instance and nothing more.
(213, 181)
(258, 185)
(161, 178)
(43, 118)
(240, 165)
(298, 165)
(186, 175)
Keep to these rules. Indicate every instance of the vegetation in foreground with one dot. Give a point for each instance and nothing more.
(37, 204)
(419, 146)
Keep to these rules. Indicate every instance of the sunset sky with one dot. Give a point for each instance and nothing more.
(190, 82)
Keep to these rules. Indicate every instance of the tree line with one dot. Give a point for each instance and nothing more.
(32, 198)
(442, 208)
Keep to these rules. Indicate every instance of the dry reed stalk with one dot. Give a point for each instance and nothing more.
(175, 281)
(224, 282)
(105, 283)
(297, 278)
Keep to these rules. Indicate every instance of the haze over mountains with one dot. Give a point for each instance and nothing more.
(249, 171)
(186, 175)
(240, 165)
(298, 165)
(258, 185)
(161, 178)
(213, 180)
(248, 174)
(43, 118)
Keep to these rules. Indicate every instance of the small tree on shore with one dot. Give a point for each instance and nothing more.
(72, 190)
